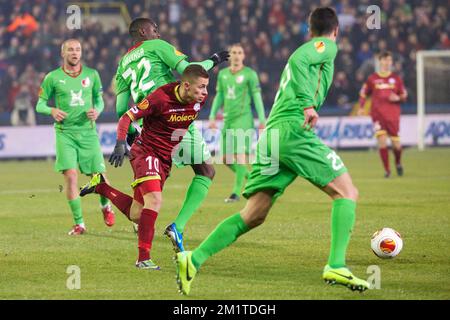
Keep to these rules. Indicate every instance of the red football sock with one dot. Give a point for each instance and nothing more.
(146, 231)
(398, 155)
(120, 200)
(384, 154)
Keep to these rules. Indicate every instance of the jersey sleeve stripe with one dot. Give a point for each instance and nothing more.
(130, 115)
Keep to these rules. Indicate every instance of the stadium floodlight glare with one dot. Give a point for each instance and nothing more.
(433, 74)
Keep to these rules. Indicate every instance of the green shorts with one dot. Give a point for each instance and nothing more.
(192, 149)
(285, 151)
(79, 150)
(237, 136)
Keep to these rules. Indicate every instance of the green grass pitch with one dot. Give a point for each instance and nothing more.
(282, 259)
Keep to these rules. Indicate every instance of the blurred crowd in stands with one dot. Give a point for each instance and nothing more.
(31, 32)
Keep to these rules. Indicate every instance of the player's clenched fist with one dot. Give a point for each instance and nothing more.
(120, 150)
(219, 57)
(58, 114)
(311, 118)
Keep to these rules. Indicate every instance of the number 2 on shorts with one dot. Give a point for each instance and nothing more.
(336, 161)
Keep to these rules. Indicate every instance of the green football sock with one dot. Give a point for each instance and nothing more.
(75, 207)
(103, 201)
(241, 173)
(225, 234)
(195, 195)
(342, 221)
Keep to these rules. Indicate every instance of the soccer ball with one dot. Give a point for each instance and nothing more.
(386, 243)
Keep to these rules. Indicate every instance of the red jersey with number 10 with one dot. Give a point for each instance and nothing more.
(166, 120)
(380, 88)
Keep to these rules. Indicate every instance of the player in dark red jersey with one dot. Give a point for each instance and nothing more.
(388, 92)
(167, 114)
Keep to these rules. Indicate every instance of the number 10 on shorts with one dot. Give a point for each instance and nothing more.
(336, 161)
(153, 163)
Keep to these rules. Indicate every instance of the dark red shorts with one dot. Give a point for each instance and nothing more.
(148, 168)
(385, 125)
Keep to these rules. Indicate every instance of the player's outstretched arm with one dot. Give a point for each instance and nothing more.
(207, 64)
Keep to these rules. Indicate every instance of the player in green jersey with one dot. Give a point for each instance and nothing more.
(77, 92)
(289, 148)
(236, 86)
(144, 68)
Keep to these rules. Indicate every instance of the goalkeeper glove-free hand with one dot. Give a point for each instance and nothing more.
(219, 57)
(120, 150)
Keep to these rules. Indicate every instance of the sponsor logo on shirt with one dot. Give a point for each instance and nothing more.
(381, 86)
(320, 46)
(76, 98)
(231, 94)
(182, 117)
(62, 81)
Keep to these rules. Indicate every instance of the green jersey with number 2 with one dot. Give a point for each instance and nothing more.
(286, 150)
(305, 80)
(146, 67)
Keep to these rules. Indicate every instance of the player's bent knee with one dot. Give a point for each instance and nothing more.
(204, 169)
(350, 192)
(153, 201)
(135, 211)
(353, 194)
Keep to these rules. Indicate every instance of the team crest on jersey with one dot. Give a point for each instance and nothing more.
(391, 80)
(143, 104)
(320, 46)
(197, 107)
(86, 82)
(240, 79)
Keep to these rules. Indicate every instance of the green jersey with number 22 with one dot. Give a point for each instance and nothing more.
(146, 67)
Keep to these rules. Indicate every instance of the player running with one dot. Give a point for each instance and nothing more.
(236, 86)
(304, 85)
(144, 68)
(167, 113)
(77, 91)
(388, 92)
